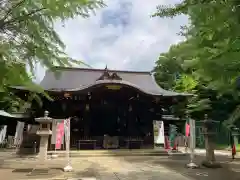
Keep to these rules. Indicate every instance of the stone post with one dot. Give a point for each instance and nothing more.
(44, 132)
(209, 135)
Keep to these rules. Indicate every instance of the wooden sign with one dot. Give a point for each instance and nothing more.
(113, 87)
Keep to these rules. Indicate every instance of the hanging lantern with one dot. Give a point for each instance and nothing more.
(151, 110)
(136, 119)
(75, 130)
(87, 107)
(75, 119)
(63, 106)
(130, 108)
(89, 95)
(67, 95)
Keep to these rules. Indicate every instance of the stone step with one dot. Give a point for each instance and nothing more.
(100, 153)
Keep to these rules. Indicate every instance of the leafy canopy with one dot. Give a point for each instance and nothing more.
(215, 35)
(207, 63)
(27, 37)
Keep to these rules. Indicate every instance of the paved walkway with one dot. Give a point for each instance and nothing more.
(92, 168)
(116, 168)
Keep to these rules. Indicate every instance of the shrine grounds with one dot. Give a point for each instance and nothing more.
(118, 168)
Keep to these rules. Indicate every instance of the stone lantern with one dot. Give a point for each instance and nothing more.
(44, 132)
(209, 131)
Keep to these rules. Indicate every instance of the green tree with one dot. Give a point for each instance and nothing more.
(213, 35)
(215, 38)
(27, 37)
(176, 70)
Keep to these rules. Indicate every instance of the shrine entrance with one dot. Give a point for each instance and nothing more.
(114, 116)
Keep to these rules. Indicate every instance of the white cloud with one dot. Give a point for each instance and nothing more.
(121, 36)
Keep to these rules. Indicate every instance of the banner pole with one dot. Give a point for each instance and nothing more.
(55, 138)
(67, 168)
(192, 144)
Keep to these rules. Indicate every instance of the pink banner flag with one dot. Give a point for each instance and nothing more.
(187, 129)
(59, 135)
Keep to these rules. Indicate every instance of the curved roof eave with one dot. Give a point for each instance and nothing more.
(122, 82)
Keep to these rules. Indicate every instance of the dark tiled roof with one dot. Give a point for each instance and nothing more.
(76, 79)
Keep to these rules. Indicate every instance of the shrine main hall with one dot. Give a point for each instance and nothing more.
(108, 109)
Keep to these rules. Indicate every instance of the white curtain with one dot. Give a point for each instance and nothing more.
(160, 138)
(3, 132)
(19, 133)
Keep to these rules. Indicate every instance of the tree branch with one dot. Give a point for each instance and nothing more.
(11, 9)
(21, 18)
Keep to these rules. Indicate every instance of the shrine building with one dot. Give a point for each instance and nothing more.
(108, 108)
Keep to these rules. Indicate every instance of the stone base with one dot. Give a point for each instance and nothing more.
(192, 165)
(210, 164)
(68, 168)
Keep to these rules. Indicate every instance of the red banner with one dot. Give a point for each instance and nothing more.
(59, 135)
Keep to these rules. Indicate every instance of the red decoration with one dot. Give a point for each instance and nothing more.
(167, 143)
(234, 150)
(175, 146)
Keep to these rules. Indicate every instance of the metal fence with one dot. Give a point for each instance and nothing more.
(222, 137)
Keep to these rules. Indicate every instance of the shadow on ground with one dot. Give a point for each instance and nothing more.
(230, 169)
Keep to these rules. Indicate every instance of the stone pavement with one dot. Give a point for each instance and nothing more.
(91, 168)
(203, 152)
(230, 169)
(117, 168)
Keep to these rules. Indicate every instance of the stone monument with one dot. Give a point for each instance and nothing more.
(44, 132)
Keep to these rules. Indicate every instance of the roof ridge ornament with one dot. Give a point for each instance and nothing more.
(107, 76)
(115, 76)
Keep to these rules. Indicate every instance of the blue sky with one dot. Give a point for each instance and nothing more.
(122, 35)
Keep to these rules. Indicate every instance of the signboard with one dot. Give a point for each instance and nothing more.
(158, 132)
(161, 139)
(113, 87)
